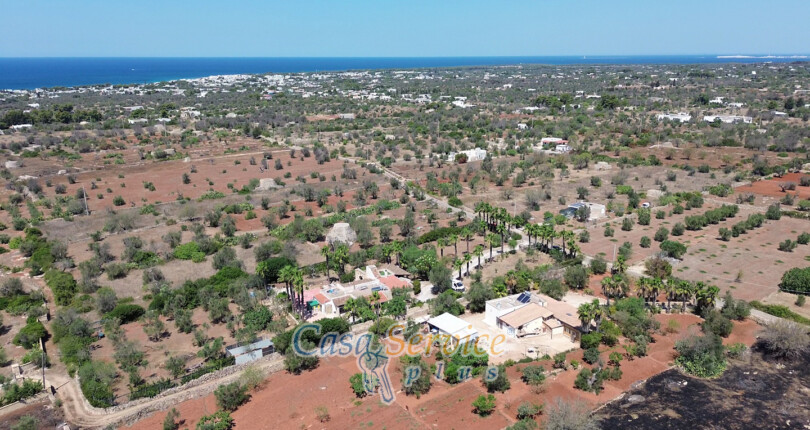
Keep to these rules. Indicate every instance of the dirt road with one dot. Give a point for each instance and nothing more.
(79, 412)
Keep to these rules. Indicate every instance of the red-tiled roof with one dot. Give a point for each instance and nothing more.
(393, 282)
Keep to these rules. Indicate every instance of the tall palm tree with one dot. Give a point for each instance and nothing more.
(670, 286)
(467, 259)
(707, 296)
(529, 229)
(656, 285)
(351, 307)
(397, 247)
(491, 239)
(326, 251)
(298, 285)
(286, 275)
(608, 287)
(564, 236)
(454, 241)
(685, 291)
(457, 264)
(644, 289)
(621, 286)
(441, 243)
(501, 229)
(479, 251)
(545, 231)
(375, 298)
(586, 313)
(467, 234)
(340, 254)
(573, 248)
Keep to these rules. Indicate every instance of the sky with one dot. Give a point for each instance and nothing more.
(405, 28)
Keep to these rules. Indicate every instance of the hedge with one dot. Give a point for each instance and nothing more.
(439, 233)
(779, 311)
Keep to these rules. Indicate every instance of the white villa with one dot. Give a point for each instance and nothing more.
(476, 154)
(680, 117)
(729, 119)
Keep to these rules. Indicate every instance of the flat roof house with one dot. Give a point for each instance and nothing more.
(454, 327)
(251, 352)
(597, 210)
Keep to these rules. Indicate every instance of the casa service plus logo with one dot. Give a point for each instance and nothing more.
(373, 357)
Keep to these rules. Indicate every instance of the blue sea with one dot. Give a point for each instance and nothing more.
(30, 73)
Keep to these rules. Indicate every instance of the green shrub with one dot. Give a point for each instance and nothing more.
(702, 356)
(62, 285)
(126, 312)
(591, 355)
(590, 340)
(484, 405)
(29, 335)
(231, 396)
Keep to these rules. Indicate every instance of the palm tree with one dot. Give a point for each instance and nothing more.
(644, 285)
(598, 313)
(685, 291)
(457, 264)
(529, 233)
(298, 285)
(608, 288)
(491, 238)
(500, 290)
(374, 298)
(586, 313)
(325, 251)
(479, 251)
(620, 266)
(564, 236)
(351, 307)
(441, 243)
(340, 255)
(543, 232)
(621, 286)
(511, 281)
(467, 234)
(573, 248)
(286, 275)
(397, 247)
(501, 229)
(467, 259)
(672, 293)
(454, 241)
(706, 296)
(656, 285)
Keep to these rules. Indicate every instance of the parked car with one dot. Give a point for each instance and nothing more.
(458, 285)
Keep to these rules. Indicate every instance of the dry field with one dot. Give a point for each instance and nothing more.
(294, 398)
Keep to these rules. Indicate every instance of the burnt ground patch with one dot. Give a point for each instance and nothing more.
(753, 393)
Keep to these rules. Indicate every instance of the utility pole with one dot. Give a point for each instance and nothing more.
(42, 364)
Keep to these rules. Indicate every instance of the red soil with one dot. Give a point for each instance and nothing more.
(770, 187)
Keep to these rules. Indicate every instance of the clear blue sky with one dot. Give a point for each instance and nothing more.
(367, 28)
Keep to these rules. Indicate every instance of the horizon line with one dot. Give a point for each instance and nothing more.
(716, 55)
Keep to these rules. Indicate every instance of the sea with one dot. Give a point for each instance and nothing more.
(31, 73)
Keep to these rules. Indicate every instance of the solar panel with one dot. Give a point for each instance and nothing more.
(524, 298)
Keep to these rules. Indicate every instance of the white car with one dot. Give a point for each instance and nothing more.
(646, 205)
(458, 285)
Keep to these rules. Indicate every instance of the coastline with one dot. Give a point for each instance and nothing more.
(44, 72)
